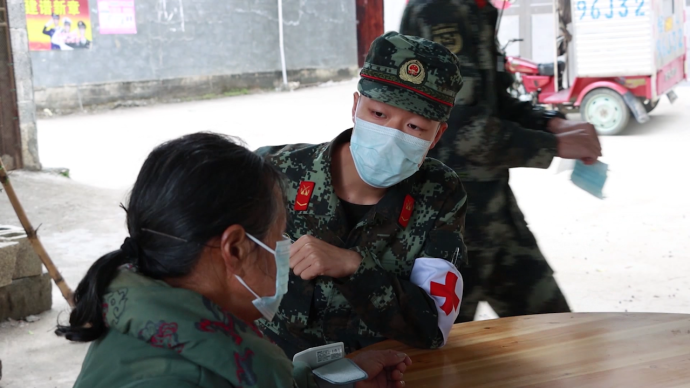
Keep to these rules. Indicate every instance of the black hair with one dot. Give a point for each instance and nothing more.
(188, 191)
(81, 24)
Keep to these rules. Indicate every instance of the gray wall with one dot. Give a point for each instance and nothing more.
(192, 38)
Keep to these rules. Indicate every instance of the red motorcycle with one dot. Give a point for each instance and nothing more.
(531, 78)
(606, 93)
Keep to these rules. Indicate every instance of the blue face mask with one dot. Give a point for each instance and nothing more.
(385, 156)
(590, 178)
(268, 305)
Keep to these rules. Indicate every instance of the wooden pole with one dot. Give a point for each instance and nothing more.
(33, 237)
(369, 25)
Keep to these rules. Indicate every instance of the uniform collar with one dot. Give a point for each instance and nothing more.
(388, 208)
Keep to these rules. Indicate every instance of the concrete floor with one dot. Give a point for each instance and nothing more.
(628, 252)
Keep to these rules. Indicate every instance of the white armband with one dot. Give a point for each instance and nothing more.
(443, 283)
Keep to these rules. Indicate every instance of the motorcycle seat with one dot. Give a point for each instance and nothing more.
(547, 68)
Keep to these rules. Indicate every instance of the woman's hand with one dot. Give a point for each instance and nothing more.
(385, 368)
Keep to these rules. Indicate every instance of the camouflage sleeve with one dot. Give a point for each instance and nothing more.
(445, 240)
(523, 112)
(394, 306)
(489, 141)
(479, 134)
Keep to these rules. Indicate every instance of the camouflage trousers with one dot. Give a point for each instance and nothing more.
(526, 289)
(506, 267)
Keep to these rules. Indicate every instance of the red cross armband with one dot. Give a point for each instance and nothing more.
(443, 283)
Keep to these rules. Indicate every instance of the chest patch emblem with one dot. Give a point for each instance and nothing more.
(406, 212)
(304, 192)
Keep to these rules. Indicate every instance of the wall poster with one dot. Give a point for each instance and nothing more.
(116, 17)
(58, 24)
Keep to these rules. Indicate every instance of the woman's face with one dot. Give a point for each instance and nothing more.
(258, 271)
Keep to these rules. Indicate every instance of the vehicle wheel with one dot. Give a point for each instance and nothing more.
(606, 110)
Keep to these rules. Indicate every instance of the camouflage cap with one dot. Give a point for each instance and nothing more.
(411, 73)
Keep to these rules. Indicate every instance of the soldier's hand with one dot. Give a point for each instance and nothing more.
(573, 134)
(578, 145)
(311, 257)
(558, 125)
(385, 368)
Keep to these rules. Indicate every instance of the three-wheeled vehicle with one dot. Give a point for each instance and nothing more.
(622, 56)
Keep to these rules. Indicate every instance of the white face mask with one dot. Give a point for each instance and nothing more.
(385, 156)
(268, 305)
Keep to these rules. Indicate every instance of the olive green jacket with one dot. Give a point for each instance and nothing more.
(165, 337)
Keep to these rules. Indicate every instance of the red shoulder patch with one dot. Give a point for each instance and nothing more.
(406, 212)
(304, 192)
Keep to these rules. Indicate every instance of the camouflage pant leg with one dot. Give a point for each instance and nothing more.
(514, 280)
(472, 292)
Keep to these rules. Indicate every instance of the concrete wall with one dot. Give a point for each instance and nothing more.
(201, 41)
(24, 288)
(24, 84)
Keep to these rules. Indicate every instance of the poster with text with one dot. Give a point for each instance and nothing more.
(116, 17)
(58, 24)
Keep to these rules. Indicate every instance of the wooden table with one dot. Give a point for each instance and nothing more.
(557, 350)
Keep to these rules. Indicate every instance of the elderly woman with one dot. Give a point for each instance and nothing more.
(205, 257)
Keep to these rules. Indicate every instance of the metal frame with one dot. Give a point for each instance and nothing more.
(524, 9)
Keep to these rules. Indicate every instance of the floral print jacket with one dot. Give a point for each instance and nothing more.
(165, 337)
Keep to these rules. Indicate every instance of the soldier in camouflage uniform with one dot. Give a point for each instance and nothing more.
(489, 133)
(364, 207)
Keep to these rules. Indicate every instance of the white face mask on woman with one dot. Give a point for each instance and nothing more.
(268, 305)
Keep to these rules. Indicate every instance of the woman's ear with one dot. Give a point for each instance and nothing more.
(234, 249)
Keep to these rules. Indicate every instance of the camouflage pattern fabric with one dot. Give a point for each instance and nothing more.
(160, 337)
(378, 301)
(411, 73)
(489, 133)
(506, 269)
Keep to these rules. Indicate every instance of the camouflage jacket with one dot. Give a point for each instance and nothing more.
(378, 301)
(489, 131)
